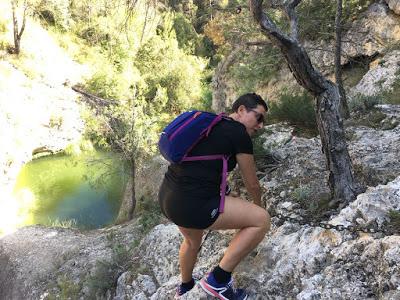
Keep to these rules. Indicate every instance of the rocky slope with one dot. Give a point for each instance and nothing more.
(293, 262)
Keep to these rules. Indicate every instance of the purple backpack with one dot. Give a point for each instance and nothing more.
(183, 133)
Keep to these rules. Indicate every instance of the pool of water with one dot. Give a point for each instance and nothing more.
(84, 191)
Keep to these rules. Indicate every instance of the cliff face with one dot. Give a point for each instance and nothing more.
(293, 261)
(372, 37)
(38, 110)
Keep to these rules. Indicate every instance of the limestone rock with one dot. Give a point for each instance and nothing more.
(306, 262)
(37, 261)
(380, 76)
(375, 153)
(276, 136)
(293, 261)
(368, 36)
(394, 5)
(139, 288)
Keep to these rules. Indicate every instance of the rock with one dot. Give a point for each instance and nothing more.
(36, 260)
(369, 35)
(394, 5)
(373, 151)
(33, 116)
(379, 77)
(138, 288)
(292, 262)
(372, 206)
(276, 135)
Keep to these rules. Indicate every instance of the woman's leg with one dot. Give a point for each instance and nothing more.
(188, 251)
(253, 222)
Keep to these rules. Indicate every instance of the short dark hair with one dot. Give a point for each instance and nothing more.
(250, 101)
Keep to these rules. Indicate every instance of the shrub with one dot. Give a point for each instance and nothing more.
(392, 96)
(107, 271)
(317, 18)
(361, 103)
(296, 109)
(394, 220)
(255, 66)
(149, 213)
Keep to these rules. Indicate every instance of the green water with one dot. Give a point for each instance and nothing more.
(84, 191)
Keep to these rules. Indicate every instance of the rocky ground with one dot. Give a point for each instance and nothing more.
(293, 262)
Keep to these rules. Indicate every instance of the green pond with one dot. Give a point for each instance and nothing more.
(82, 191)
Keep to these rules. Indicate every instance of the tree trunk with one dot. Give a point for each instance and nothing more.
(344, 108)
(17, 41)
(133, 189)
(128, 203)
(330, 125)
(341, 181)
(18, 31)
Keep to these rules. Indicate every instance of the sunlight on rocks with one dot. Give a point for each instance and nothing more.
(16, 210)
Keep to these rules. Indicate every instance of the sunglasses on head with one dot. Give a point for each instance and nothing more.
(259, 116)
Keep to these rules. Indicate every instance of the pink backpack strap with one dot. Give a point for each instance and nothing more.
(224, 173)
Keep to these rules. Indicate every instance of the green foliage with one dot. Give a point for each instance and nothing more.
(56, 121)
(53, 12)
(295, 108)
(163, 64)
(4, 43)
(317, 18)
(314, 203)
(63, 223)
(255, 66)
(68, 288)
(392, 96)
(186, 35)
(302, 194)
(206, 98)
(362, 103)
(149, 214)
(107, 271)
(258, 143)
(394, 217)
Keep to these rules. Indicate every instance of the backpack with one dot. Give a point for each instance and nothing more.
(183, 133)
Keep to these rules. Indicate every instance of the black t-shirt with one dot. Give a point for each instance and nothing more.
(204, 177)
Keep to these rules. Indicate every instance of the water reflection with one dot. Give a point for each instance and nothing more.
(85, 190)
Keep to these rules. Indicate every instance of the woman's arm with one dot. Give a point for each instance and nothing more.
(248, 170)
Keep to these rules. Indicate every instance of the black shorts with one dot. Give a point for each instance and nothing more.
(188, 209)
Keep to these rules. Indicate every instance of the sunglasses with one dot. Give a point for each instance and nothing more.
(259, 116)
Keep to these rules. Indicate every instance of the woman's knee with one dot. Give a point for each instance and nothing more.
(263, 220)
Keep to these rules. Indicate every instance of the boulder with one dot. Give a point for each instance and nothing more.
(394, 5)
(368, 36)
(380, 77)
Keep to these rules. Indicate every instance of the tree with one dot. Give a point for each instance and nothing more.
(344, 108)
(18, 31)
(341, 180)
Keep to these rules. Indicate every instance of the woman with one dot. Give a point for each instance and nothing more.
(190, 193)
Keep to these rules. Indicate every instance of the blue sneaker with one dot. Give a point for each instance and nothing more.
(180, 290)
(222, 291)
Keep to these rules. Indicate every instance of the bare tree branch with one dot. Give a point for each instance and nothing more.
(298, 60)
(293, 20)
